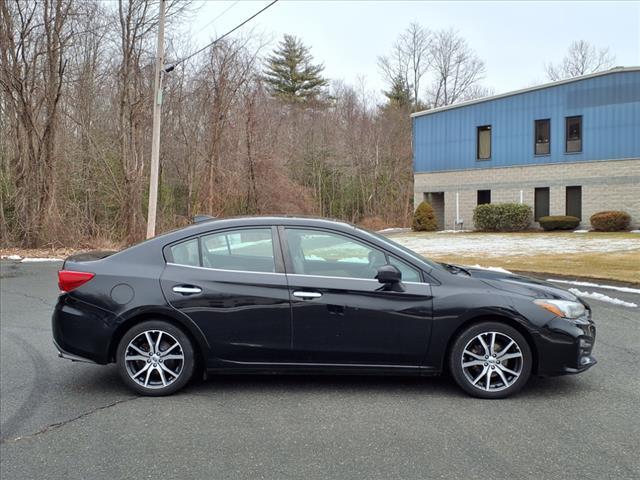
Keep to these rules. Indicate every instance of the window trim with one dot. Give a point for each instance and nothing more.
(535, 137)
(566, 134)
(488, 128)
(478, 196)
(277, 252)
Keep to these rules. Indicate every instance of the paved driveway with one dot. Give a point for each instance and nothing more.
(63, 420)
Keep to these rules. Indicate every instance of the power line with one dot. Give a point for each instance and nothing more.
(217, 17)
(182, 60)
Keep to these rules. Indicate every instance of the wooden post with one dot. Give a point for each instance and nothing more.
(155, 138)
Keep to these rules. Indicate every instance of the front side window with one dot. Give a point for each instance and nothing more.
(484, 143)
(315, 252)
(409, 274)
(574, 134)
(543, 137)
(247, 249)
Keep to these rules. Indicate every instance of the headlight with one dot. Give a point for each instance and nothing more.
(562, 308)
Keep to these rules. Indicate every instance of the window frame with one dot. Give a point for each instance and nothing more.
(484, 192)
(535, 137)
(275, 246)
(484, 128)
(424, 280)
(566, 134)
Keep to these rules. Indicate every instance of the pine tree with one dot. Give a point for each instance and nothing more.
(399, 94)
(290, 73)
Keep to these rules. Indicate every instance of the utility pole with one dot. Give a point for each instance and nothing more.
(155, 138)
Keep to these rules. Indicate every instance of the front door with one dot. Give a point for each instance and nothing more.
(339, 313)
(232, 285)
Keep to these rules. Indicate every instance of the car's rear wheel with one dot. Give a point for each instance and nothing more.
(155, 358)
(490, 360)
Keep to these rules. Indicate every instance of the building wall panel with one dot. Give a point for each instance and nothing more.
(609, 105)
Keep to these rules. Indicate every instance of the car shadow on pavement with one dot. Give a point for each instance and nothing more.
(430, 386)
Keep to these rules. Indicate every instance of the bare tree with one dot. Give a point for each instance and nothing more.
(416, 43)
(34, 37)
(456, 68)
(409, 60)
(582, 58)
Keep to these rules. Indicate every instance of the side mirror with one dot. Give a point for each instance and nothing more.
(390, 277)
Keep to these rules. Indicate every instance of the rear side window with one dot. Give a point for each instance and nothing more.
(247, 249)
(186, 253)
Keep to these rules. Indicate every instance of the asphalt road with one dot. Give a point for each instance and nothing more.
(63, 420)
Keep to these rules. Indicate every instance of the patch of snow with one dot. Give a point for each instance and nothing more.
(596, 285)
(602, 298)
(498, 245)
(37, 260)
(581, 231)
(394, 230)
(454, 231)
(635, 231)
(12, 257)
(495, 269)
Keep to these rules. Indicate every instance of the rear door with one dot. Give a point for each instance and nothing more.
(340, 315)
(232, 285)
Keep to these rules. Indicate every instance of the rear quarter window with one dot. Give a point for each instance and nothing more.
(186, 253)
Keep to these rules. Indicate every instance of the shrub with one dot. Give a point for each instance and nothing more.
(559, 222)
(424, 219)
(502, 217)
(612, 221)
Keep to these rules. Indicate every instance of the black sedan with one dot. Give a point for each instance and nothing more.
(300, 295)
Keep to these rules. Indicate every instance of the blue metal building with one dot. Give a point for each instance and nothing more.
(568, 147)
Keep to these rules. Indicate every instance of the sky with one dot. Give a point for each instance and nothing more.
(514, 38)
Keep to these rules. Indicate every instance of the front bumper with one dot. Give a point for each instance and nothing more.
(566, 347)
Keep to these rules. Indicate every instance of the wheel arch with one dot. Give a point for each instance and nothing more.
(200, 344)
(500, 318)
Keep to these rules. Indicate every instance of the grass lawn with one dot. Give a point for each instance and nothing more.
(609, 256)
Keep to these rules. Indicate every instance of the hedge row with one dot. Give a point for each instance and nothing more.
(612, 221)
(559, 222)
(502, 217)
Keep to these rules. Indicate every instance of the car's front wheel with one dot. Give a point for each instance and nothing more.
(155, 358)
(490, 360)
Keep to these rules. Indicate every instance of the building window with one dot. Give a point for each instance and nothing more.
(484, 143)
(574, 134)
(543, 137)
(574, 201)
(541, 203)
(484, 196)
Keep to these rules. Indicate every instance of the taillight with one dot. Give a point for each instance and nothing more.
(69, 279)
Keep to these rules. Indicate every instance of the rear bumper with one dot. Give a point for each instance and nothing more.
(70, 356)
(81, 331)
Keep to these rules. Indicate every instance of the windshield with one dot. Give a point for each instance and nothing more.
(406, 250)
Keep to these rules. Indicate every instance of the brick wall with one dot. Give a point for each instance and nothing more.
(606, 185)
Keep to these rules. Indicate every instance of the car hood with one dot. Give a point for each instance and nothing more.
(520, 284)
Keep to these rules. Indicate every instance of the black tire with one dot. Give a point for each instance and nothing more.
(159, 381)
(478, 364)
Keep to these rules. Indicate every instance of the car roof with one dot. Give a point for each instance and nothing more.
(230, 222)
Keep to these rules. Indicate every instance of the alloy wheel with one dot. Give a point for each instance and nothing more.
(154, 359)
(492, 361)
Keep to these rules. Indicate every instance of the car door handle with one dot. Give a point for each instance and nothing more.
(307, 295)
(187, 289)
